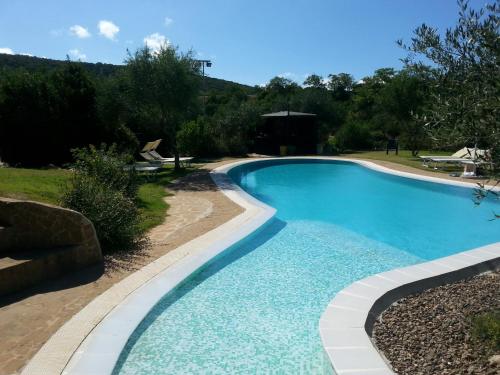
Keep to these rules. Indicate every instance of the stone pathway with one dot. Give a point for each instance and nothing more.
(184, 210)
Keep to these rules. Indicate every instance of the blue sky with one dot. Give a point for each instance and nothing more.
(248, 41)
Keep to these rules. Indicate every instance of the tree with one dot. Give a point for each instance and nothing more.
(402, 99)
(341, 85)
(44, 116)
(466, 101)
(163, 86)
(314, 81)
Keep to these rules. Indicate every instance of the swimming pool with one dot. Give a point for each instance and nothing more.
(255, 308)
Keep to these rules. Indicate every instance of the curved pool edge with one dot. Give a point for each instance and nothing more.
(93, 339)
(347, 323)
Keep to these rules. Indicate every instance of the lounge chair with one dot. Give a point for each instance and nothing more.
(463, 155)
(185, 160)
(142, 167)
(470, 169)
(150, 146)
(147, 156)
(149, 153)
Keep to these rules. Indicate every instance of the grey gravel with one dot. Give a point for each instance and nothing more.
(429, 333)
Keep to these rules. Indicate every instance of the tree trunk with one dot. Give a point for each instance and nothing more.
(177, 161)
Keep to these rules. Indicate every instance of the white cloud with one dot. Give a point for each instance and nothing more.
(6, 50)
(168, 21)
(289, 75)
(26, 54)
(156, 41)
(108, 29)
(77, 54)
(79, 31)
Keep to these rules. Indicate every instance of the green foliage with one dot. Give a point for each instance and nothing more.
(42, 117)
(353, 136)
(465, 106)
(195, 138)
(228, 131)
(98, 71)
(104, 193)
(314, 81)
(162, 88)
(331, 146)
(486, 328)
(107, 166)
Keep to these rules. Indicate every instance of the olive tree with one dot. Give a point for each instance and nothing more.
(163, 86)
(466, 71)
(466, 106)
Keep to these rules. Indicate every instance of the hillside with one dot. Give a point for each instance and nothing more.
(32, 63)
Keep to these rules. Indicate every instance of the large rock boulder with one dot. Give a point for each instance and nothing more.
(40, 241)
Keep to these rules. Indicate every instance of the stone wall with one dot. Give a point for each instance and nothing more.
(39, 241)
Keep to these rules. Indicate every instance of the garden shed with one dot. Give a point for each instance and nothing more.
(287, 133)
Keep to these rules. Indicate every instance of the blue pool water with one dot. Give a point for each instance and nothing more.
(255, 310)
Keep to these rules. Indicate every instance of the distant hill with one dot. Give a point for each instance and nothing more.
(32, 63)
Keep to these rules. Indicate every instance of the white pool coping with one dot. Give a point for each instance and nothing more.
(91, 342)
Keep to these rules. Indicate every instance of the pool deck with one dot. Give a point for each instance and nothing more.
(121, 305)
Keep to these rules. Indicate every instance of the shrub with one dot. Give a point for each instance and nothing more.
(353, 136)
(104, 193)
(331, 146)
(486, 327)
(107, 166)
(194, 139)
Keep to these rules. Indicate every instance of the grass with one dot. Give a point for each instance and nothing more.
(42, 185)
(46, 185)
(404, 157)
(486, 328)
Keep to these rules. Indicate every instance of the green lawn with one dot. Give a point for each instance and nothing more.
(42, 185)
(404, 158)
(46, 185)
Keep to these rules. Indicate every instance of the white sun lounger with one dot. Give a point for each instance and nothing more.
(185, 160)
(464, 155)
(138, 167)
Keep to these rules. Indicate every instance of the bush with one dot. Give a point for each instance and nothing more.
(353, 136)
(331, 146)
(104, 193)
(194, 139)
(107, 166)
(486, 327)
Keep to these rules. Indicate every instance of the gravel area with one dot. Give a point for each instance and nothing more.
(430, 333)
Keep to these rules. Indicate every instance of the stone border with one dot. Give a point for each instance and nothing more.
(347, 323)
(93, 339)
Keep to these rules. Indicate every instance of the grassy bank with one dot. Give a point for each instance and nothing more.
(47, 185)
